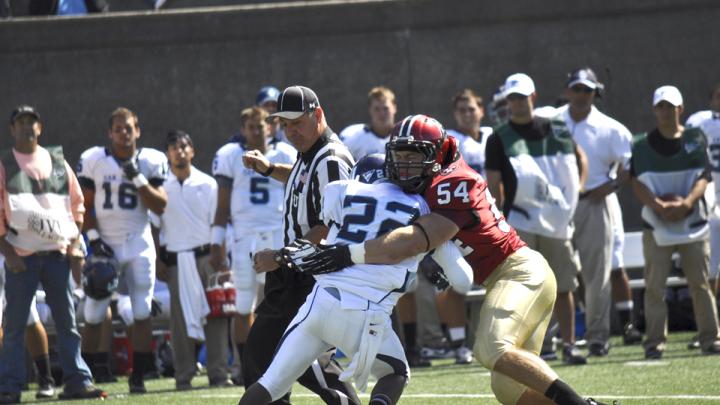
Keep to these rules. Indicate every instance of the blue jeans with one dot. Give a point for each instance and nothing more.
(53, 271)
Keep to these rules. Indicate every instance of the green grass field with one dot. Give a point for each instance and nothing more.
(682, 377)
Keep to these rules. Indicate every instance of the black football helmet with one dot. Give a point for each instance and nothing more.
(421, 134)
(100, 278)
(369, 169)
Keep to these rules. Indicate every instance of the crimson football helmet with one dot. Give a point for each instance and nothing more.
(422, 134)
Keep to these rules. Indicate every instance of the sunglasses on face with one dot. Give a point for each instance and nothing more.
(515, 96)
(581, 89)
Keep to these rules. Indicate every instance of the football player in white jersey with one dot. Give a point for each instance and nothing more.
(254, 205)
(364, 139)
(120, 184)
(709, 122)
(350, 309)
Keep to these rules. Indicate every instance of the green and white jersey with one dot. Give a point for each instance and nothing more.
(40, 213)
(548, 181)
(675, 174)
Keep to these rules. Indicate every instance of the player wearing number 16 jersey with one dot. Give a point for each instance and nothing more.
(254, 205)
(121, 183)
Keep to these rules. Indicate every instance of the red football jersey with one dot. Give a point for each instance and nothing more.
(460, 194)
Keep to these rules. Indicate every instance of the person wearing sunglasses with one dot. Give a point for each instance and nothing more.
(606, 143)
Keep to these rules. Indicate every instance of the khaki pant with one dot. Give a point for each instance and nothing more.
(593, 239)
(560, 256)
(695, 261)
(216, 333)
(515, 315)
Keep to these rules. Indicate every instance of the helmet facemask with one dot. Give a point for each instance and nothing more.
(412, 176)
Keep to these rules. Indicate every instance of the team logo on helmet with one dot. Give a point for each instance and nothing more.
(369, 169)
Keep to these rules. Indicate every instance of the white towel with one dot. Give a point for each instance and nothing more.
(192, 295)
(372, 336)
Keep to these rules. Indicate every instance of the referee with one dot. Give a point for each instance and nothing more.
(322, 159)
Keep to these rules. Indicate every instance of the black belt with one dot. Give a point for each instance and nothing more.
(170, 258)
(46, 253)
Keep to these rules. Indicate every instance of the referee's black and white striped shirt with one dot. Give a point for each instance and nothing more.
(326, 161)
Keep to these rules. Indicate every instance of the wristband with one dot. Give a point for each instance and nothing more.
(357, 253)
(269, 170)
(217, 235)
(140, 181)
(92, 234)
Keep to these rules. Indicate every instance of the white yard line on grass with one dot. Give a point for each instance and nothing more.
(490, 396)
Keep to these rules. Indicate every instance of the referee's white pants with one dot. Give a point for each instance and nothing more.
(321, 324)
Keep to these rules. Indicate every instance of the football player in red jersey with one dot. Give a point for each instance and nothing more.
(520, 285)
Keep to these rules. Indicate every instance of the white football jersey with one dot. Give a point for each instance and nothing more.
(256, 201)
(119, 211)
(356, 212)
(709, 122)
(362, 141)
(473, 151)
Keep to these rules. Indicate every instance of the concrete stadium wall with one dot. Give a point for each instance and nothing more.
(195, 69)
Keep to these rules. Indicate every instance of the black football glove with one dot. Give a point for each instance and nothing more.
(101, 249)
(434, 273)
(130, 168)
(306, 257)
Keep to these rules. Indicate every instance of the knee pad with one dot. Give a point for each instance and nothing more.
(506, 390)
(140, 275)
(124, 309)
(95, 310)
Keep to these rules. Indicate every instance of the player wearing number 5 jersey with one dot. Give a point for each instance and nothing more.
(254, 205)
(520, 285)
(121, 183)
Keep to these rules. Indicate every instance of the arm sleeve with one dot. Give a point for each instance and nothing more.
(622, 146)
(213, 201)
(222, 165)
(457, 270)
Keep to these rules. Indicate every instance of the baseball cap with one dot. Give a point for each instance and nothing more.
(584, 76)
(267, 93)
(519, 83)
(671, 94)
(23, 110)
(296, 101)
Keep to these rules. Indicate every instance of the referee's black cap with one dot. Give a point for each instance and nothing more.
(24, 109)
(295, 101)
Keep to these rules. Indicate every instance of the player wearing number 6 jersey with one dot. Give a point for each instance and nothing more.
(254, 205)
(520, 285)
(120, 184)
